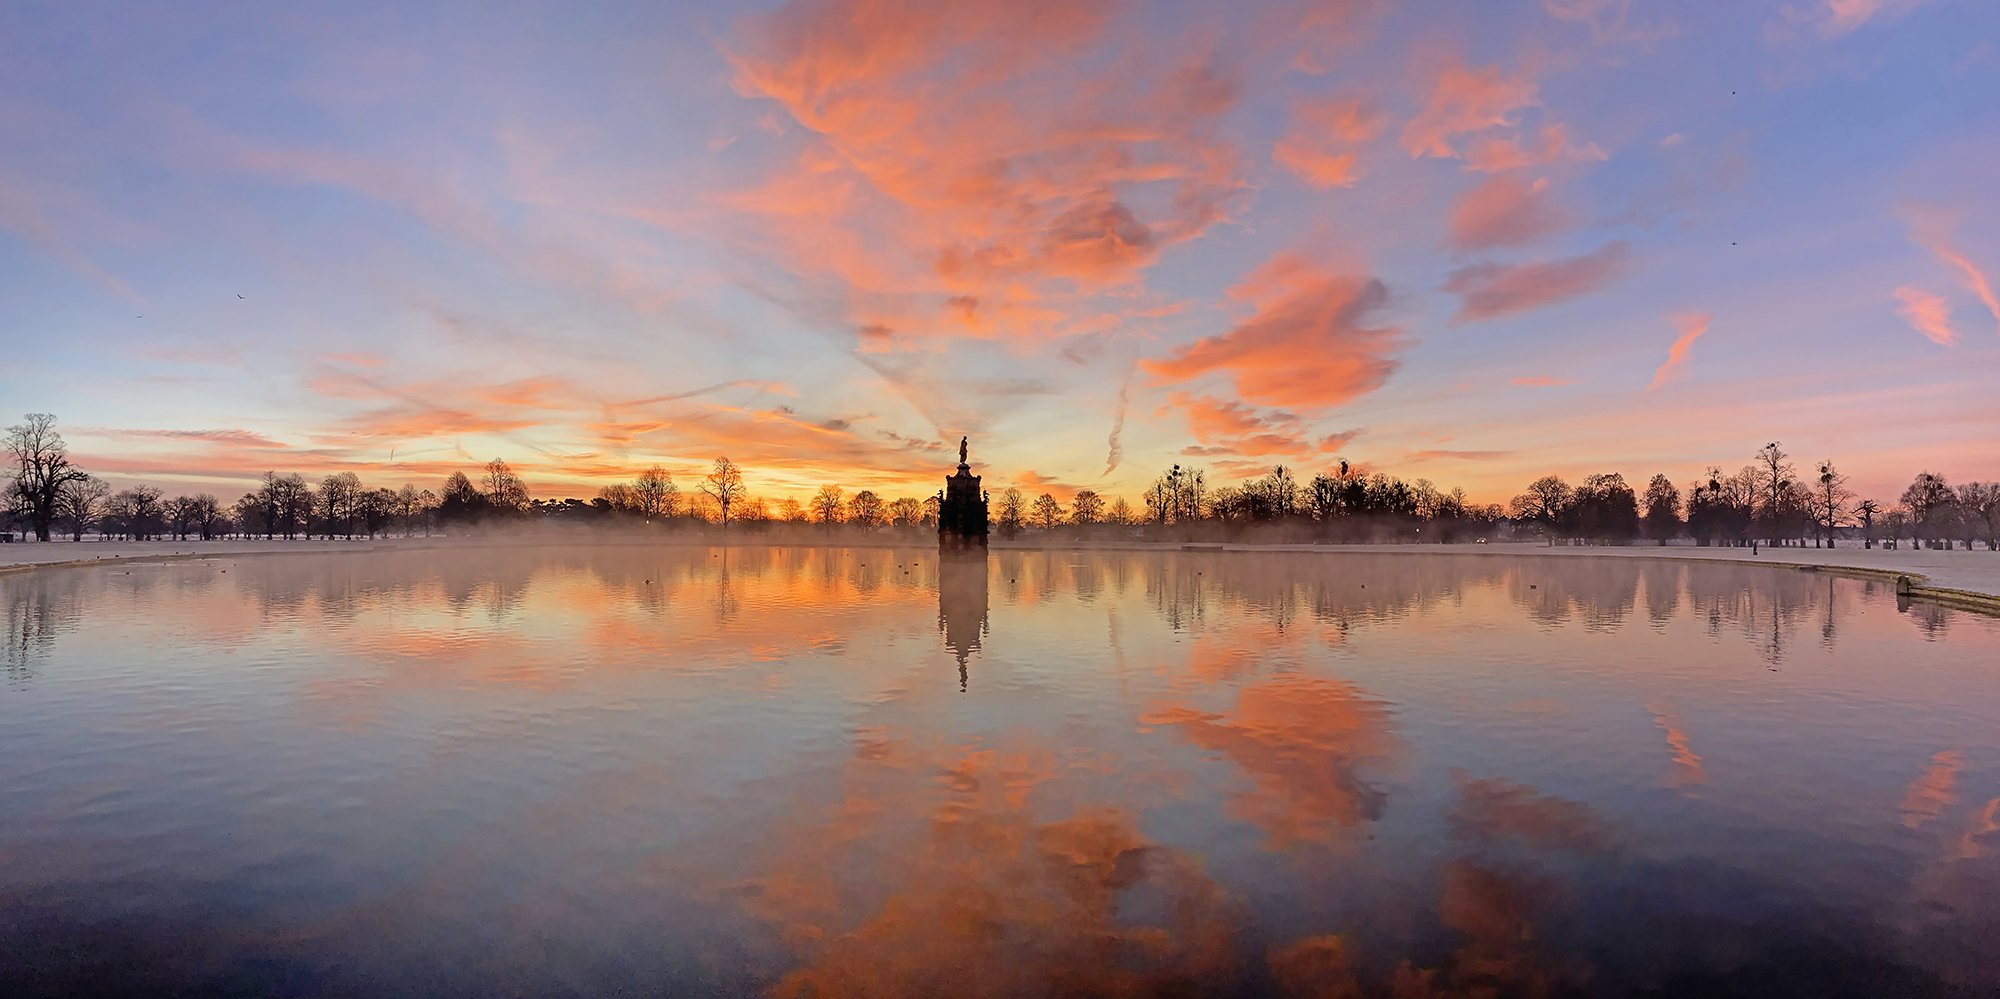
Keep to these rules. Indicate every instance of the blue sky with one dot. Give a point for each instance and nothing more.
(1449, 240)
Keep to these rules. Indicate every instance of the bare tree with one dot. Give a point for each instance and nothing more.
(209, 519)
(339, 495)
(1087, 508)
(504, 490)
(1926, 499)
(41, 469)
(1120, 514)
(1047, 511)
(249, 512)
(1013, 511)
(1866, 510)
(656, 496)
(865, 510)
(906, 512)
(135, 513)
(724, 485)
(1544, 503)
(1974, 502)
(827, 505)
(1774, 476)
(1663, 509)
(1986, 509)
(1830, 500)
(79, 503)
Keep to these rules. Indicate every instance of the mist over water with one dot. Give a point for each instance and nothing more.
(867, 771)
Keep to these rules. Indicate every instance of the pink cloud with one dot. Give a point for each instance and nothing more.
(1838, 17)
(1610, 21)
(1449, 455)
(1927, 314)
(1489, 290)
(1505, 211)
(978, 154)
(1932, 230)
(1464, 101)
(1316, 167)
(1309, 344)
(1552, 145)
(1541, 381)
(1319, 147)
(1690, 326)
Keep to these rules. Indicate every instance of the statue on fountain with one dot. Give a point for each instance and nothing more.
(962, 511)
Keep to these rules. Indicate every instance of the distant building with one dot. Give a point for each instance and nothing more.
(962, 510)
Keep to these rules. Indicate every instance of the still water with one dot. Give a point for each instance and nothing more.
(826, 772)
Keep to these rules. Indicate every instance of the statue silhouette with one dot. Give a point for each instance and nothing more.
(962, 519)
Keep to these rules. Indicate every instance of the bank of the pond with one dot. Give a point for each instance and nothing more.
(1968, 580)
(1960, 578)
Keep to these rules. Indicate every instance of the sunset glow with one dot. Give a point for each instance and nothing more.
(1475, 243)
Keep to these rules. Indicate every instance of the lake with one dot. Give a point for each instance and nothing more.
(848, 772)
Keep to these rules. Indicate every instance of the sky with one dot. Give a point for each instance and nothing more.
(1473, 242)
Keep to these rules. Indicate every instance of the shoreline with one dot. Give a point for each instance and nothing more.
(1966, 580)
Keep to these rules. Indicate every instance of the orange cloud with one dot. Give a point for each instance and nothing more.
(531, 393)
(1316, 167)
(1308, 344)
(1488, 290)
(1308, 746)
(1541, 381)
(1317, 149)
(1927, 314)
(1435, 454)
(1505, 211)
(1690, 326)
(1932, 792)
(246, 439)
(1932, 231)
(1464, 101)
(1231, 428)
(967, 162)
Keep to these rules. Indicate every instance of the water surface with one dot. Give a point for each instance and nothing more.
(863, 772)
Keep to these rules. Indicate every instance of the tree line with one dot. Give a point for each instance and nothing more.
(1766, 501)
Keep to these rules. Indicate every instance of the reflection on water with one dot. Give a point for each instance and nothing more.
(867, 772)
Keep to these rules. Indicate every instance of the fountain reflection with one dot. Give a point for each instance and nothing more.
(962, 606)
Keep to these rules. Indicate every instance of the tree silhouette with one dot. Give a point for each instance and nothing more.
(1013, 510)
(1830, 500)
(827, 505)
(79, 503)
(41, 469)
(1087, 508)
(505, 492)
(724, 485)
(1544, 503)
(1663, 509)
(1774, 477)
(865, 510)
(654, 494)
(1047, 512)
(1926, 499)
(1120, 513)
